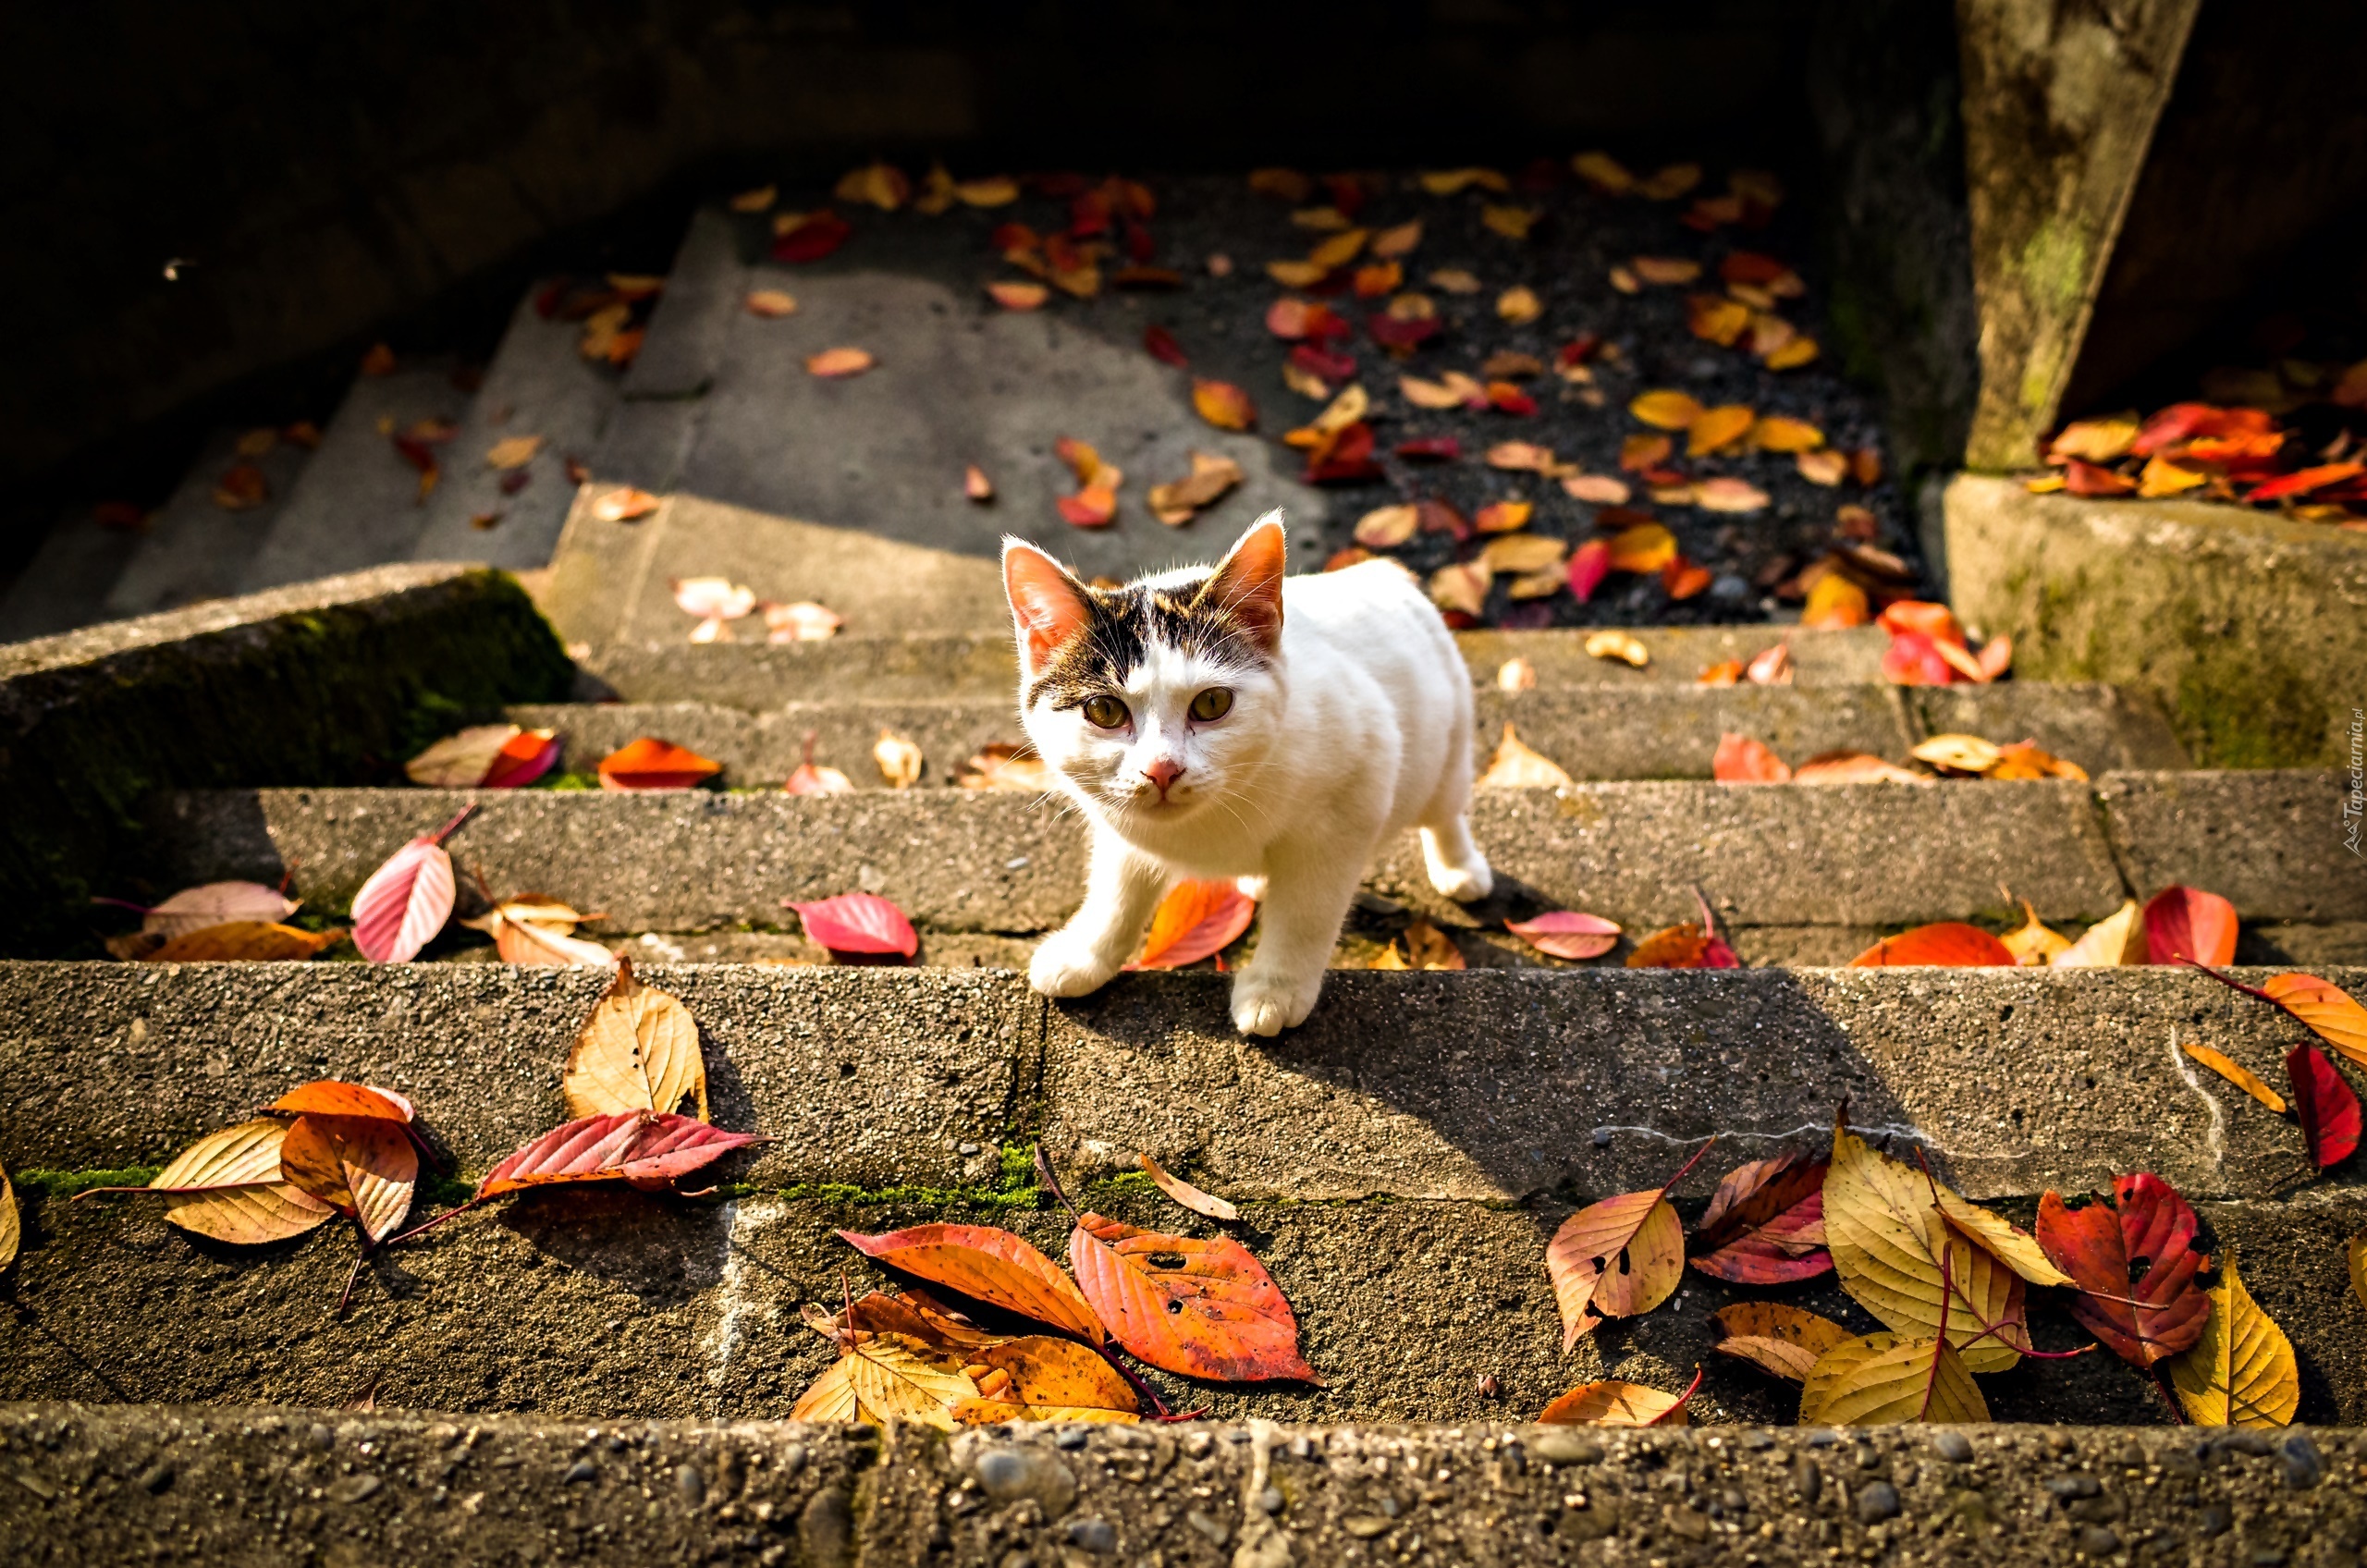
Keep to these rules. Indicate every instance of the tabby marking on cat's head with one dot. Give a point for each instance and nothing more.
(1153, 699)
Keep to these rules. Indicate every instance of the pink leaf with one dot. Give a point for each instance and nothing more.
(2183, 922)
(525, 759)
(858, 923)
(1913, 659)
(1589, 565)
(1567, 933)
(1742, 760)
(408, 899)
(648, 1149)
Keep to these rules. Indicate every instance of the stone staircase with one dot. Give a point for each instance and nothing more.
(603, 1369)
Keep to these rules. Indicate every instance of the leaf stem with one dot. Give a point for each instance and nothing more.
(2235, 984)
(1689, 1164)
(1045, 1173)
(452, 826)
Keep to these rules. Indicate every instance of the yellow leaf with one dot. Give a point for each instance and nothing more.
(1397, 241)
(1340, 250)
(1461, 587)
(1875, 1379)
(1715, 319)
(2031, 943)
(1385, 528)
(1777, 434)
(638, 1051)
(11, 1228)
(1666, 410)
(895, 1377)
(1519, 305)
(1836, 603)
(1514, 554)
(2357, 1253)
(1647, 547)
(829, 1398)
(2018, 1250)
(227, 1185)
(1296, 275)
(1887, 1242)
(754, 200)
(1515, 766)
(2237, 1073)
(1617, 1258)
(1823, 467)
(1777, 1338)
(1615, 1403)
(1449, 182)
(514, 451)
(2094, 440)
(1043, 1379)
(1800, 351)
(1603, 172)
(898, 760)
(1958, 753)
(2163, 477)
(2242, 1372)
(1513, 223)
(1350, 405)
(997, 190)
(1713, 430)
(2119, 939)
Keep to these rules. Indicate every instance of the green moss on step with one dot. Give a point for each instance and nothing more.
(66, 1184)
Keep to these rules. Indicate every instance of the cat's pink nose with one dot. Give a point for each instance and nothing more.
(1163, 772)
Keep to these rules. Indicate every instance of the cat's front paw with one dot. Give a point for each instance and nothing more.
(1464, 883)
(1066, 966)
(1265, 1003)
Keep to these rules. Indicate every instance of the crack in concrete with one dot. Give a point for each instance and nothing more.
(1891, 1130)
(2217, 1140)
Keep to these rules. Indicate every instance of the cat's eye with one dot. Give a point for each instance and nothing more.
(1105, 713)
(1212, 703)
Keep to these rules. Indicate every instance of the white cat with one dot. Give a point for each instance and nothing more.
(1229, 723)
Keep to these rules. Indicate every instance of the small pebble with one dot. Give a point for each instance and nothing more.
(690, 1483)
(2213, 1521)
(1073, 1438)
(2065, 1487)
(1093, 1535)
(353, 1489)
(1271, 1499)
(1877, 1500)
(1868, 1456)
(965, 1148)
(1823, 1439)
(2099, 1540)
(1213, 1530)
(2303, 1467)
(320, 1437)
(1954, 1447)
(1759, 1442)
(793, 1459)
(1806, 1479)
(580, 1472)
(157, 1478)
(2268, 1557)
(1729, 588)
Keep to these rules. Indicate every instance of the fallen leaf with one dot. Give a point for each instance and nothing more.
(245, 941)
(1625, 282)
(1855, 767)
(2094, 440)
(1883, 1224)
(1770, 666)
(890, 1378)
(1202, 1308)
(884, 186)
(493, 757)
(1000, 764)
(1875, 1379)
(898, 760)
(639, 1050)
(1617, 646)
(2133, 1262)
(1519, 305)
(1835, 604)
(1612, 1402)
(1385, 528)
(857, 923)
(407, 900)
(1775, 1338)
(214, 903)
(1822, 467)
(1947, 942)
(1957, 753)
(333, 1097)
(378, 360)
(1666, 410)
(1568, 933)
(364, 1167)
(1590, 564)
(1743, 760)
(1664, 269)
(1603, 172)
(801, 622)
(1715, 429)
(11, 1228)
(2119, 938)
(2324, 1009)
(995, 190)
(2162, 477)
(536, 945)
(1515, 766)
(228, 1185)
(1646, 547)
(1726, 494)
(1515, 674)
(987, 1265)
(1160, 344)
(1516, 553)
(1455, 280)
(1798, 351)
(1183, 1191)
(770, 303)
(1617, 1258)
(976, 485)
(1777, 434)
(1019, 296)
(514, 451)
(2031, 943)
(649, 1150)
(1222, 404)
(1427, 947)
(651, 764)
(717, 598)
(1039, 1377)
(1197, 919)
(1765, 1223)
(2182, 922)
(842, 361)
(1669, 183)
(2242, 1371)
(1716, 319)
(625, 504)
(1213, 477)
(2324, 1104)
(755, 200)
(1513, 223)
(1600, 489)
(1339, 249)
(1461, 587)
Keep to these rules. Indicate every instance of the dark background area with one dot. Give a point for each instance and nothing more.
(324, 176)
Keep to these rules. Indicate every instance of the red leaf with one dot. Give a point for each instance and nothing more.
(1935, 621)
(1765, 1224)
(1328, 364)
(331, 1098)
(1431, 448)
(1194, 921)
(2328, 1110)
(1438, 517)
(2087, 479)
(1392, 333)
(1683, 947)
(1946, 942)
(2183, 921)
(1590, 564)
(651, 764)
(647, 1148)
(1348, 458)
(2141, 1248)
(525, 757)
(1913, 659)
(1740, 759)
(2305, 481)
(1577, 351)
(1508, 399)
(1201, 1308)
(1567, 933)
(1092, 507)
(408, 899)
(987, 1265)
(1163, 348)
(820, 234)
(858, 923)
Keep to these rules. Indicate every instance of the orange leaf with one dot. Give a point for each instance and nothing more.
(833, 362)
(770, 302)
(1617, 1259)
(1742, 760)
(1201, 1308)
(1196, 919)
(365, 1167)
(1613, 1402)
(1223, 405)
(245, 941)
(2326, 1008)
(1183, 1191)
(1503, 516)
(1683, 947)
(328, 1096)
(1946, 942)
(1834, 604)
(1019, 296)
(1666, 410)
(627, 505)
(1716, 319)
(1716, 429)
(1639, 452)
(1647, 547)
(2189, 923)
(652, 764)
(987, 1265)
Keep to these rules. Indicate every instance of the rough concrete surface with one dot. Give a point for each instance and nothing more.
(103, 1484)
(194, 549)
(2260, 839)
(2096, 725)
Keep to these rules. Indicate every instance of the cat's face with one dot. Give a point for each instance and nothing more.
(1160, 700)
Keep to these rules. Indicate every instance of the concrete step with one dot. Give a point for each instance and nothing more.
(1798, 874)
(1455, 1119)
(198, 549)
(537, 385)
(66, 583)
(114, 1484)
(1594, 731)
(357, 503)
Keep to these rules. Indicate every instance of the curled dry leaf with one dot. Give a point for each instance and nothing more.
(1876, 1379)
(651, 764)
(1958, 753)
(193, 908)
(647, 1150)
(976, 485)
(987, 1265)
(228, 1185)
(2119, 938)
(831, 363)
(1946, 942)
(1202, 1308)
(857, 923)
(1613, 1403)
(639, 1050)
(624, 505)
(407, 900)
(1013, 296)
(1765, 1224)
(1853, 767)
(2241, 1372)
(245, 941)
(898, 760)
(1038, 1377)
(1196, 919)
(2324, 1104)
(801, 620)
(1461, 586)
(1515, 675)
(1385, 528)
(2238, 1074)
(1183, 1191)
(536, 944)
(1774, 1337)
(1517, 766)
(712, 598)
(1618, 646)
(1000, 764)
(488, 756)
(11, 1228)
(1568, 933)
(2133, 1262)
(1222, 404)
(1687, 945)
(1427, 947)
(1212, 476)
(2182, 922)
(1740, 759)
(364, 1167)
(1726, 494)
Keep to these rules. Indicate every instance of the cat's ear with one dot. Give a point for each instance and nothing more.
(1248, 582)
(1047, 605)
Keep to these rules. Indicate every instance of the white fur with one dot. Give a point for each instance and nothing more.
(1360, 729)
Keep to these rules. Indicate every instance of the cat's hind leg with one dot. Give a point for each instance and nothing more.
(1457, 868)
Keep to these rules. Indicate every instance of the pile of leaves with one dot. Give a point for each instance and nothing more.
(2247, 455)
(1200, 1307)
